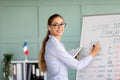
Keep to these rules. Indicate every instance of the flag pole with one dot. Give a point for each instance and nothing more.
(26, 58)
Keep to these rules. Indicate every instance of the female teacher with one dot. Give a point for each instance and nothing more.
(53, 56)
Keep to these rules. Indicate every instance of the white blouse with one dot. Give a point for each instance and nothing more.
(58, 59)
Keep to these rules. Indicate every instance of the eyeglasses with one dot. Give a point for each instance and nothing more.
(56, 25)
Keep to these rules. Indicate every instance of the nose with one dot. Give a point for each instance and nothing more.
(60, 27)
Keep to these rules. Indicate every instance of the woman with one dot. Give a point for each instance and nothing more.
(53, 56)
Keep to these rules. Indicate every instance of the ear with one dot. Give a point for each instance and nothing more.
(49, 28)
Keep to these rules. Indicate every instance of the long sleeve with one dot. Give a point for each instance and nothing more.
(58, 50)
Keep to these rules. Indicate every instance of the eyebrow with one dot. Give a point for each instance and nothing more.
(57, 23)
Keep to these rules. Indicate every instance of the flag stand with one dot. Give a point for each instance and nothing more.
(26, 58)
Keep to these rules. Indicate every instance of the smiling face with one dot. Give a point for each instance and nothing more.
(56, 27)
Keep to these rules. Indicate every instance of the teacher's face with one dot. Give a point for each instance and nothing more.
(57, 27)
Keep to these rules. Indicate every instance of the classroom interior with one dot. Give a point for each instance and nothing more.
(26, 20)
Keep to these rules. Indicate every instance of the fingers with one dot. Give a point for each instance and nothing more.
(96, 48)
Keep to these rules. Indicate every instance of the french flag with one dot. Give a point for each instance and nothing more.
(25, 48)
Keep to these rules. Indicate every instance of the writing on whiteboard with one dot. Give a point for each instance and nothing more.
(106, 30)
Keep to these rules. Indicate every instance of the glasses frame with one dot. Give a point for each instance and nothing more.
(57, 25)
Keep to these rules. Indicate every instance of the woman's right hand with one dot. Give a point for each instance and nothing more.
(95, 49)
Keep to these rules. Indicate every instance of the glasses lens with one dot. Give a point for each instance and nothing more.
(56, 25)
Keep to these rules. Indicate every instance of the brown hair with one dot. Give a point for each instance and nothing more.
(42, 64)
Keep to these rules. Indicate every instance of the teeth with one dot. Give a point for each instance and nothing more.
(59, 31)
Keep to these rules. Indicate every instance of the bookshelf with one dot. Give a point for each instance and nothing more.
(27, 70)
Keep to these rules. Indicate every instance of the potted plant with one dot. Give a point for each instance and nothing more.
(7, 65)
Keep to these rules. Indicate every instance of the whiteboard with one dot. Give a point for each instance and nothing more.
(106, 30)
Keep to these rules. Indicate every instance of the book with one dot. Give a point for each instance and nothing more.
(19, 71)
(33, 76)
(74, 52)
(38, 74)
(81, 51)
(14, 71)
(85, 51)
(29, 71)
